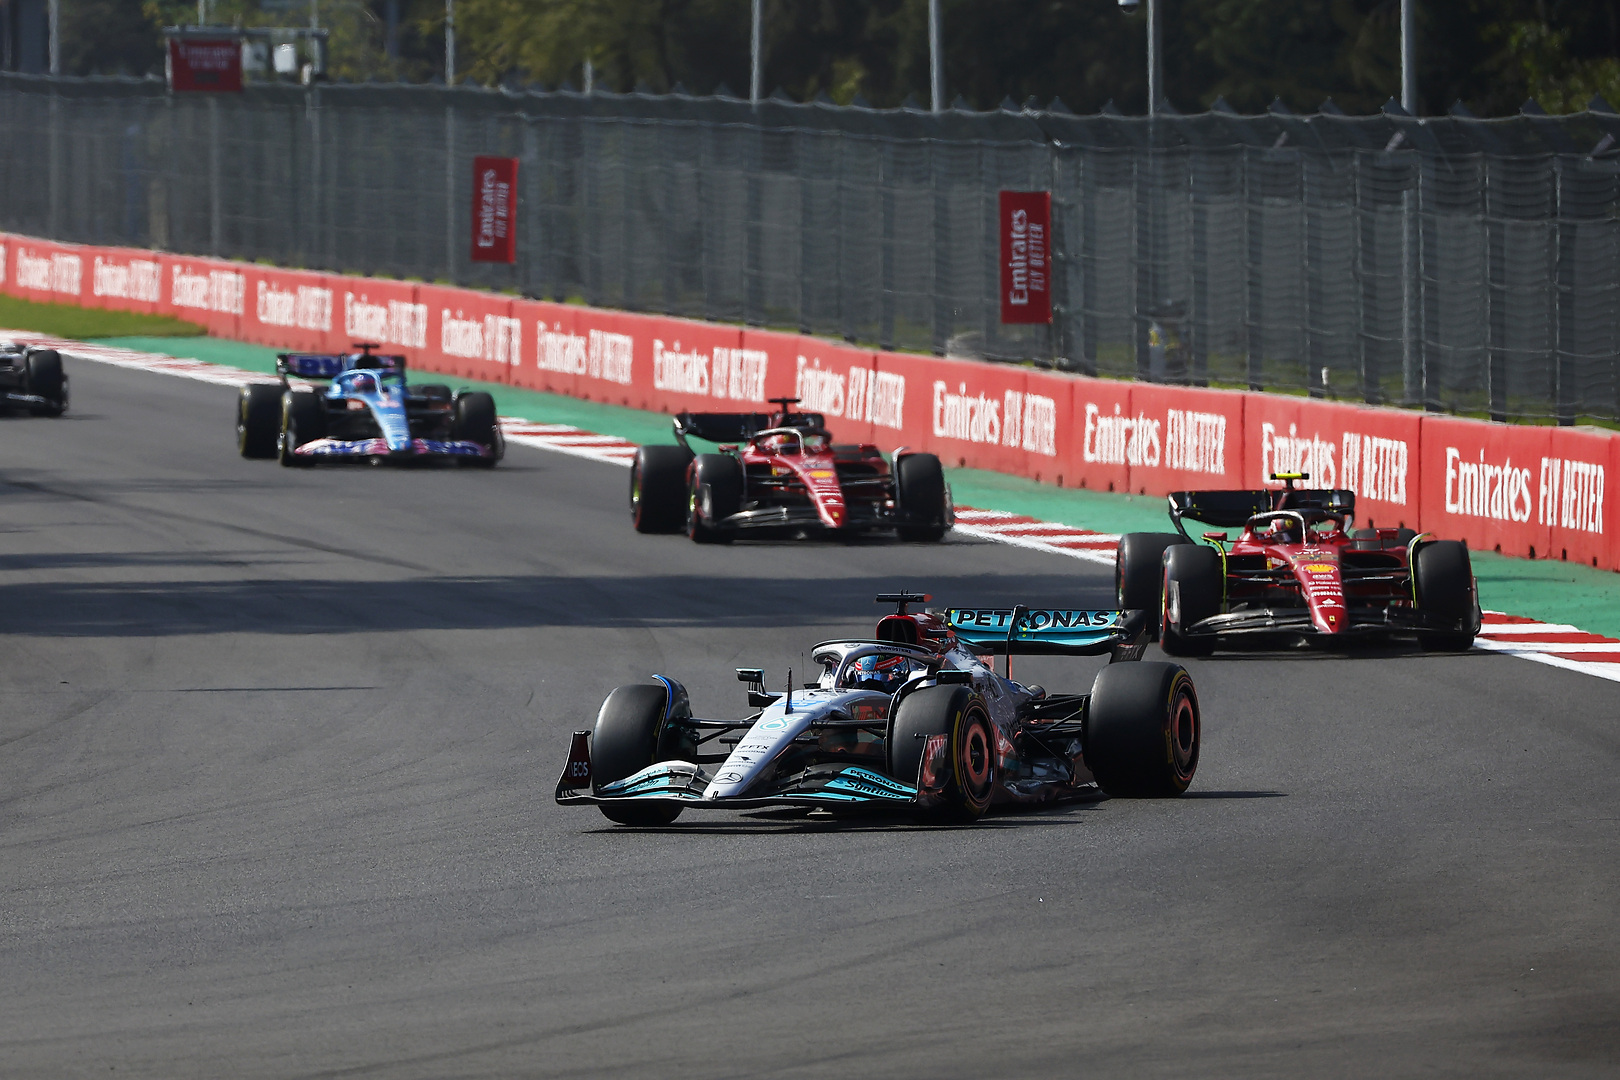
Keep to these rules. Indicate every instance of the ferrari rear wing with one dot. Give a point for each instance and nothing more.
(1233, 509)
(737, 427)
(1022, 631)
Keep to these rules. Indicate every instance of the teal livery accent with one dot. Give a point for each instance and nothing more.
(1037, 630)
(865, 783)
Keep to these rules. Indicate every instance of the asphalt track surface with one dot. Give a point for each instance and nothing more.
(277, 751)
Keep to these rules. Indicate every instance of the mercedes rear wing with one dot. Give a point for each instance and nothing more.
(1025, 631)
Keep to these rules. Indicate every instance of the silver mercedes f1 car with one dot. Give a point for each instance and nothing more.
(915, 718)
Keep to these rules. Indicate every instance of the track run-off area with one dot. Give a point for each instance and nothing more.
(277, 751)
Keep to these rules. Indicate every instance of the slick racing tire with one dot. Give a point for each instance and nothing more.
(970, 764)
(919, 484)
(715, 494)
(1192, 593)
(475, 422)
(1444, 576)
(658, 488)
(629, 730)
(258, 420)
(1139, 573)
(1142, 730)
(46, 380)
(303, 419)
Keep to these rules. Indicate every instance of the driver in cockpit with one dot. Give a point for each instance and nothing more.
(881, 672)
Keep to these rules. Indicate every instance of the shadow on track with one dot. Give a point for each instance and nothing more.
(160, 608)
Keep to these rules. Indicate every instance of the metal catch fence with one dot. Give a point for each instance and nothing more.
(1453, 263)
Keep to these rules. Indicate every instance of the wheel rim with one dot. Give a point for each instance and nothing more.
(976, 761)
(1182, 733)
(635, 493)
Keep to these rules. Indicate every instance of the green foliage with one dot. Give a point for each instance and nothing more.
(1492, 54)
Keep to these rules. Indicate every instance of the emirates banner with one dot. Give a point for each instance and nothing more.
(197, 64)
(1525, 490)
(494, 237)
(1025, 224)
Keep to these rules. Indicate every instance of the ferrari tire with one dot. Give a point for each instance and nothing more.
(626, 740)
(1143, 730)
(1139, 573)
(715, 494)
(258, 420)
(658, 488)
(303, 419)
(919, 484)
(473, 420)
(1192, 593)
(959, 714)
(46, 380)
(1444, 576)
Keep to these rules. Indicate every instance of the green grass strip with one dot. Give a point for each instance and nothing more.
(83, 324)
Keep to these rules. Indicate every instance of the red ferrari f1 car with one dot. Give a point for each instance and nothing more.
(782, 473)
(1298, 568)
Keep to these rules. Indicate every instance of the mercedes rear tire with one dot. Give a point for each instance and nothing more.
(1143, 730)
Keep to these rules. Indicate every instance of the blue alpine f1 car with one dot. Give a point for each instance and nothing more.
(367, 412)
(915, 718)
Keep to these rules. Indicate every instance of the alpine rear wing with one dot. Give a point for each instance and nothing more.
(1233, 509)
(331, 365)
(1024, 631)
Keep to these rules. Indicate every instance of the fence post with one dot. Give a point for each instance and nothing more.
(55, 164)
(215, 194)
(449, 187)
(1565, 344)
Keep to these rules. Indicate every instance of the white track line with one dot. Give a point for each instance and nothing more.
(997, 526)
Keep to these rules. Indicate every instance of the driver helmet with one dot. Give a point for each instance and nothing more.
(1278, 529)
(780, 444)
(364, 384)
(879, 672)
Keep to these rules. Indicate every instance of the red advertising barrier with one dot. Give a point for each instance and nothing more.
(46, 272)
(968, 413)
(1108, 436)
(123, 279)
(1480, 484)
(288, 309)
(1572, 492)
(1186, 438)
(692, 365)
(472, 335)
(210, 292)
(386, 313)
(1526, 491)
(1373, 452)
(554, 356)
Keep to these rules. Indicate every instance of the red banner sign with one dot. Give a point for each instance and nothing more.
(213, 64)
(494, 237)
(1530, 491)
(1025, 224)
